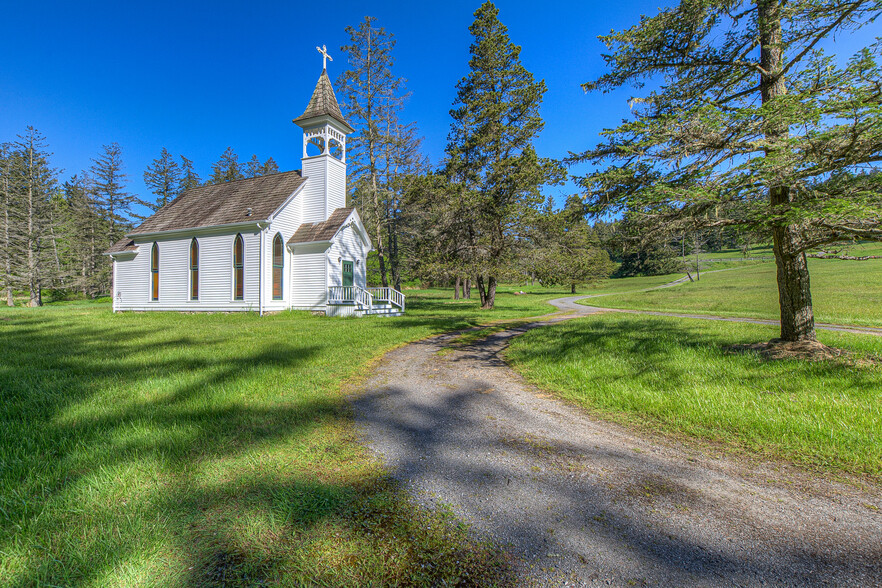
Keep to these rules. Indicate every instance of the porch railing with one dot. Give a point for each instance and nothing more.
(350, 295)
(390, 295)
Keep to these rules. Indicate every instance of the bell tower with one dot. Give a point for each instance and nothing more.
(324, 134)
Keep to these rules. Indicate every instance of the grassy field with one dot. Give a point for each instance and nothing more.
(843, 292)
(676, 376)
(170, 449)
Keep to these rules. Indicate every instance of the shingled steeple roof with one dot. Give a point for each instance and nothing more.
(323, 102)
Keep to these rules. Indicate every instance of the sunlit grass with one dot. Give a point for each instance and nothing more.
(676, 376)
(165, 449)
(843, 292)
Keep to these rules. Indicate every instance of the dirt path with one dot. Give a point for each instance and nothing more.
(582, 502)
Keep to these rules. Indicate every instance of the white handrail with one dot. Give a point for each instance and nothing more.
(350, 295)
(390, 295)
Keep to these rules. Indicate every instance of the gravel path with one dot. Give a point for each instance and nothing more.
(582, 502)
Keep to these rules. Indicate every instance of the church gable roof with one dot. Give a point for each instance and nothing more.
(252, 199)
(322, 231)
(323, 102)
(123, 245)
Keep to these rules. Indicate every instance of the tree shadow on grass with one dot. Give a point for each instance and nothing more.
(134, 454)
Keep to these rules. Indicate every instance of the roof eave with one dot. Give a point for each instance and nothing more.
(254, 223)
(305, 122)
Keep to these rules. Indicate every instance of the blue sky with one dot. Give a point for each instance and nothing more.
(198, 77)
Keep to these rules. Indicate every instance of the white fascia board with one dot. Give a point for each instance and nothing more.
(311, 244)
(120, 254)
(288, 199)
(358, 227)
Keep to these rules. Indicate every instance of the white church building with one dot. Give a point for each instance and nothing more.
(265, 244)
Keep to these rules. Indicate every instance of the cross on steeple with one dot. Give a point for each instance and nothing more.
(325, 57)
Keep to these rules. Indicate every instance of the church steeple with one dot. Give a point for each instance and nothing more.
(322, 103)
(325, 128)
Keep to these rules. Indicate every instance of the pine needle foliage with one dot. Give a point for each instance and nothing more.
(747, 122)
(490, 155)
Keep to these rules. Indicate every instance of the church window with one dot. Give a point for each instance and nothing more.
(194, 270)
(154, 272)
(278, 266)
(239, 268)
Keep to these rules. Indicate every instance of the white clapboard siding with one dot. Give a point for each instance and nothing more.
(285, 222)
(308, 277)
(215, 275)
(347, 246)
(313, 205)
(336, 184)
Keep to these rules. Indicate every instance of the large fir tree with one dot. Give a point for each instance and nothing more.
(35, 182)
(163, 178)
(753, 125)
(7, 218)
(227, 168)
(189, 177)
(383, 152)
(114, 204)
(490, 155)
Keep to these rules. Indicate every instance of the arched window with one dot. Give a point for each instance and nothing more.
(239, 268)
(278, 266)
(194, 270)
(154, 272)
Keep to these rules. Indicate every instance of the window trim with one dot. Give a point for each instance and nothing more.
(194, 271)
(154, 272)
(280, 266)
(238, 269)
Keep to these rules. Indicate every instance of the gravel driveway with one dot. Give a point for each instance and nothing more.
(582, 502)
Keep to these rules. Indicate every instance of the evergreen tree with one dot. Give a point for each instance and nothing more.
(752, 126)
(32, 236)
(108, 192)
(254, 168)
(163, 178)
(189, 177)
(383, 152)
(82, 234)
(114, 204)
(490, 154)
(7, 217)
(226, 169)
(269, 167)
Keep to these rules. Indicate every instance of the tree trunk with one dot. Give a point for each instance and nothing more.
(456, 289)
(573, 288)
(491, 294)
(488, 293)
(467, 288)
(35, 299)
(794, 293)
(7, 258)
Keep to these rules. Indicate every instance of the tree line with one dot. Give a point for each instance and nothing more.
(54, 232)
(754, 134)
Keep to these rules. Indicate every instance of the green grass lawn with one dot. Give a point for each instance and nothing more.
(165, 449)
(843, 292)
(675, 376)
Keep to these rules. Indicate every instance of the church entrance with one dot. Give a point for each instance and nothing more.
(348, 274)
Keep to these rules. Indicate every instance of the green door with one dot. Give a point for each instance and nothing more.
(347, 273)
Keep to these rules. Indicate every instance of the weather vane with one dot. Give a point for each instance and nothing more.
(325, 57)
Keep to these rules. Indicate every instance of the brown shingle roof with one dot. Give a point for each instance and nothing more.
(323, 231)
(223, 204)
(122, 245)
(323, 102)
